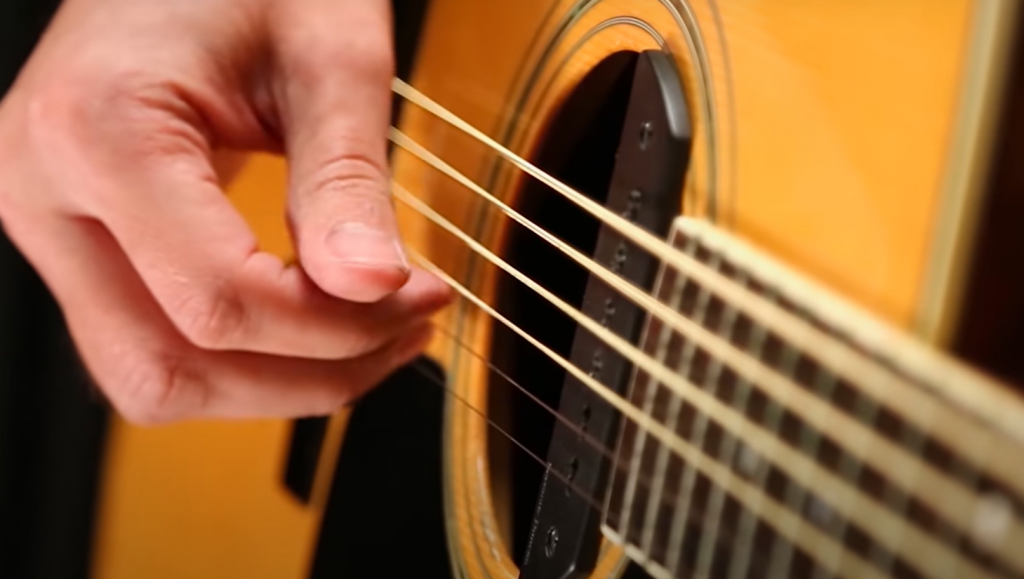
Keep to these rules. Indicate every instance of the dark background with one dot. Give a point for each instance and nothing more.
(51, 422)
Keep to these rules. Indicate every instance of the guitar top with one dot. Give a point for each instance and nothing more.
(740, 297)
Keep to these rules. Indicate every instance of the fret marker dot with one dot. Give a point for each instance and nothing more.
(992, 517)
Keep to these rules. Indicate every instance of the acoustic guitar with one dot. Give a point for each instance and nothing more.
(740, 295)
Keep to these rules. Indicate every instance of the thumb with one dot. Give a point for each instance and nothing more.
(336, 65)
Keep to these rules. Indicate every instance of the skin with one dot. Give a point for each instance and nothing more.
(114, 145)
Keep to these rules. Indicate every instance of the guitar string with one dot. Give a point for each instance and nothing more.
(815, 543)
(850, 364)
(851, 568)
(916, 547)
(607, 454)
(910, 476)
(651, 391)
(976, 445)
(688, 355)
(816, 412)
(646, 480)
(397, 137)
(592, 501)
(944, 499)
(728, 451)
(403, 195)
(650, 481)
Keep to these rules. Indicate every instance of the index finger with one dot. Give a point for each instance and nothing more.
(199, 258)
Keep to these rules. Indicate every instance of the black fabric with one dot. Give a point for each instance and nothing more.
(21, 23)
(387, 491)
(51, 426)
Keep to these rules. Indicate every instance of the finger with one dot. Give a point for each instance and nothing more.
(152, 374)
(193, 250)
(259, 386)
(335, 90)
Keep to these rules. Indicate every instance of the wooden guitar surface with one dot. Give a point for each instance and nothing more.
(847, 141)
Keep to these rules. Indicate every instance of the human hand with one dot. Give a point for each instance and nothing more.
(108, 142)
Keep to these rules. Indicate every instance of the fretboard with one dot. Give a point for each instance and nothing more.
(810, 440)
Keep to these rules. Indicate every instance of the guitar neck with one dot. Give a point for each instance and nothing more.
(793, 450)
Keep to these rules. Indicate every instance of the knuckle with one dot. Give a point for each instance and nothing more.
(349, 178)
(350, 173)
(214, 320)
(158, 388)
(125, 109)
(54, 113)
(65, 106)
(150, 116)
(351, 185)
(369, 57)
(370, 336)
(88, 122)
(362, 344)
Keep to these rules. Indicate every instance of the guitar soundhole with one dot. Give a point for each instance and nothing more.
(578, 147)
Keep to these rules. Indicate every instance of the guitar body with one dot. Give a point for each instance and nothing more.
(848, 142)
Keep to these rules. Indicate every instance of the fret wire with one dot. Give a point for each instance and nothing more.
(843, 492)
(684, 368)
(712, 383)
(772, 511)
(898, 502)
(681, 514)
(944, 494)
(967, 441)
(676, 405)
(818, 384)
(782, 551)
(904, 499)
(962, 439)
(759, 472)
(972, 478)
(851, 363)
(491, 422)
(910, 479)
(712, 516)
(911, 484)
(649, 396)
(675, 402)
(650, 393)
(825, 385)
(850, 468)
(818, 545)
(915, 439)
(716, 472)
